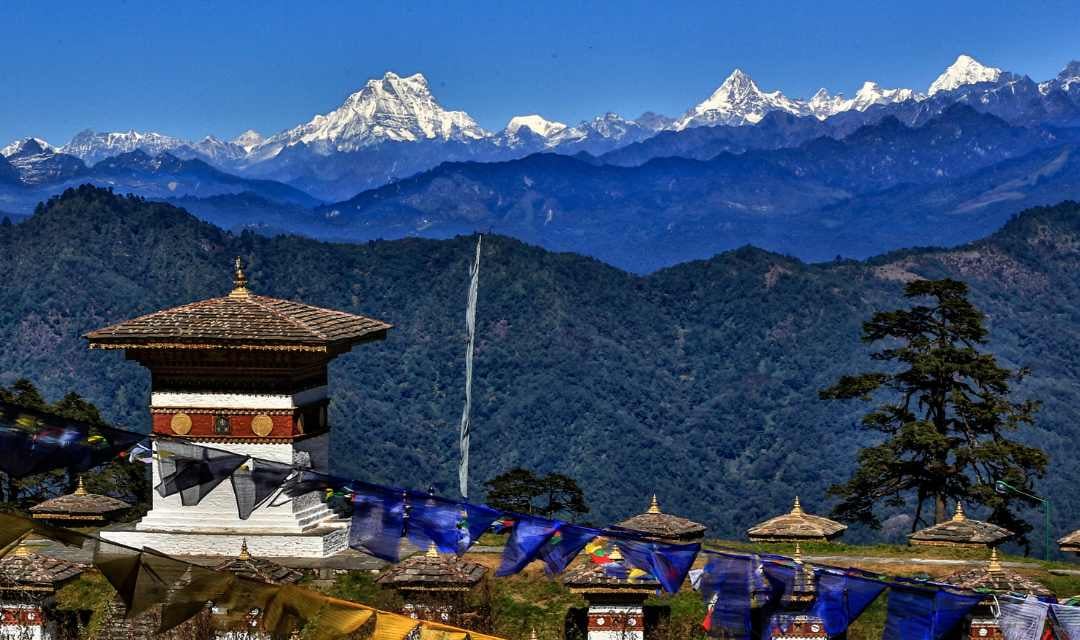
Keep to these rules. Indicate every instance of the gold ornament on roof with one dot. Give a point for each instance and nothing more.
(432, 551)
(796, 509)
(995, 562)
(244, 553)
(240, 289)
(654, 505)
(959, 516)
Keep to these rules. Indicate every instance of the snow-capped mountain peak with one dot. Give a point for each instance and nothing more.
(871, 93)
(391, 108)
(535, 123)
(738, 101)
(31, 145)
(248, 140)
(823, 104)
(93, 147)
(965, 70)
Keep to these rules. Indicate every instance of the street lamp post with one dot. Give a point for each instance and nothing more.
(1003, 487)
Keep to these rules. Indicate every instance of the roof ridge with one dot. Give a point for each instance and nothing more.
(257, 299)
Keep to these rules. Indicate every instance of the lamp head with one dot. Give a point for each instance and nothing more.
(1000, 487)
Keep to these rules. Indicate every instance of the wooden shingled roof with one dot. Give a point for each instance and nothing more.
(796, 525)
(663, 526)
(598, 578)
(432, 571)
(24, 570)
(247, 566)
(961, 531)
(1071, 542)
(993, 577)
(241, 320)
(80, 505)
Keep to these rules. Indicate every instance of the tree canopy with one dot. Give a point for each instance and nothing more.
(946, 414)
(550, 496)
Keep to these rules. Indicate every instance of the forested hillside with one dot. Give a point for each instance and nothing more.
(698, 382)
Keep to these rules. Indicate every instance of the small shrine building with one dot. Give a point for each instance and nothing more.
(215, 621)
(796, 526)
(435, 587)
(1071, 542)
(794, 621)
(78, 509)
(993, 579)
(28, 586)
(615, 592)
(961, 531)
(244, 374)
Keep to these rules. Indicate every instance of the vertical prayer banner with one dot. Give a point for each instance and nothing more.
(466, 413)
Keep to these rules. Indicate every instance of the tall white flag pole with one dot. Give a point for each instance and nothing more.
(470, 327)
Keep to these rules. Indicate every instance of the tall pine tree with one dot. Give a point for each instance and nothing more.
(945, 413)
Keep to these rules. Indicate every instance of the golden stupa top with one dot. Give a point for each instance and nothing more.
(241, 320)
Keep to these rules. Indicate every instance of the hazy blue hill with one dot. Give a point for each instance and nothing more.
(814, 201)
(698, 382)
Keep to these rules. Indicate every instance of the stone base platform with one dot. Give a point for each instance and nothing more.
(323, 542)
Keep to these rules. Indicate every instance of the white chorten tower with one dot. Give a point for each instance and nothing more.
(246, 374)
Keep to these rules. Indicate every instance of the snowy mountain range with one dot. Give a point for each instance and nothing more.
(394, 126)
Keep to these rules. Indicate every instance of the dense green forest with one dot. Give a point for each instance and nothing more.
(699, 382)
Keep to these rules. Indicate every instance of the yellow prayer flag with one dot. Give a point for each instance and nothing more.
(427, 633)
(390, 626)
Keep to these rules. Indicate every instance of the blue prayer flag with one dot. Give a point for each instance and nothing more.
(564, 545)
(452, 526)
(526, 540)
(842, 598)
(378, 521)
(668, 563)
(727, 582)
(918, 613)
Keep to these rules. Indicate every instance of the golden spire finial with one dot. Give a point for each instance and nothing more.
(796, 509)
(240, 289)
(798, 553)
(432, 551)
(959, 516)
(615, 555)
(532, 634)
(995, 562)
(80, 490)
(654, 505)
(244, 553)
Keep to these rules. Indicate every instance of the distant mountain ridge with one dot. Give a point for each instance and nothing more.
(394, 127)
(788, 199)
(34, 172)
(698, 383)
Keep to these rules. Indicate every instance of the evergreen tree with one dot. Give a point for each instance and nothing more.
(522, 491)
(946, 414)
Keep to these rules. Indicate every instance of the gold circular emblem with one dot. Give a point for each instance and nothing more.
(181, 424)
(262, 425)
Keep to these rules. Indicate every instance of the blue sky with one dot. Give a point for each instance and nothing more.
(193, 68)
